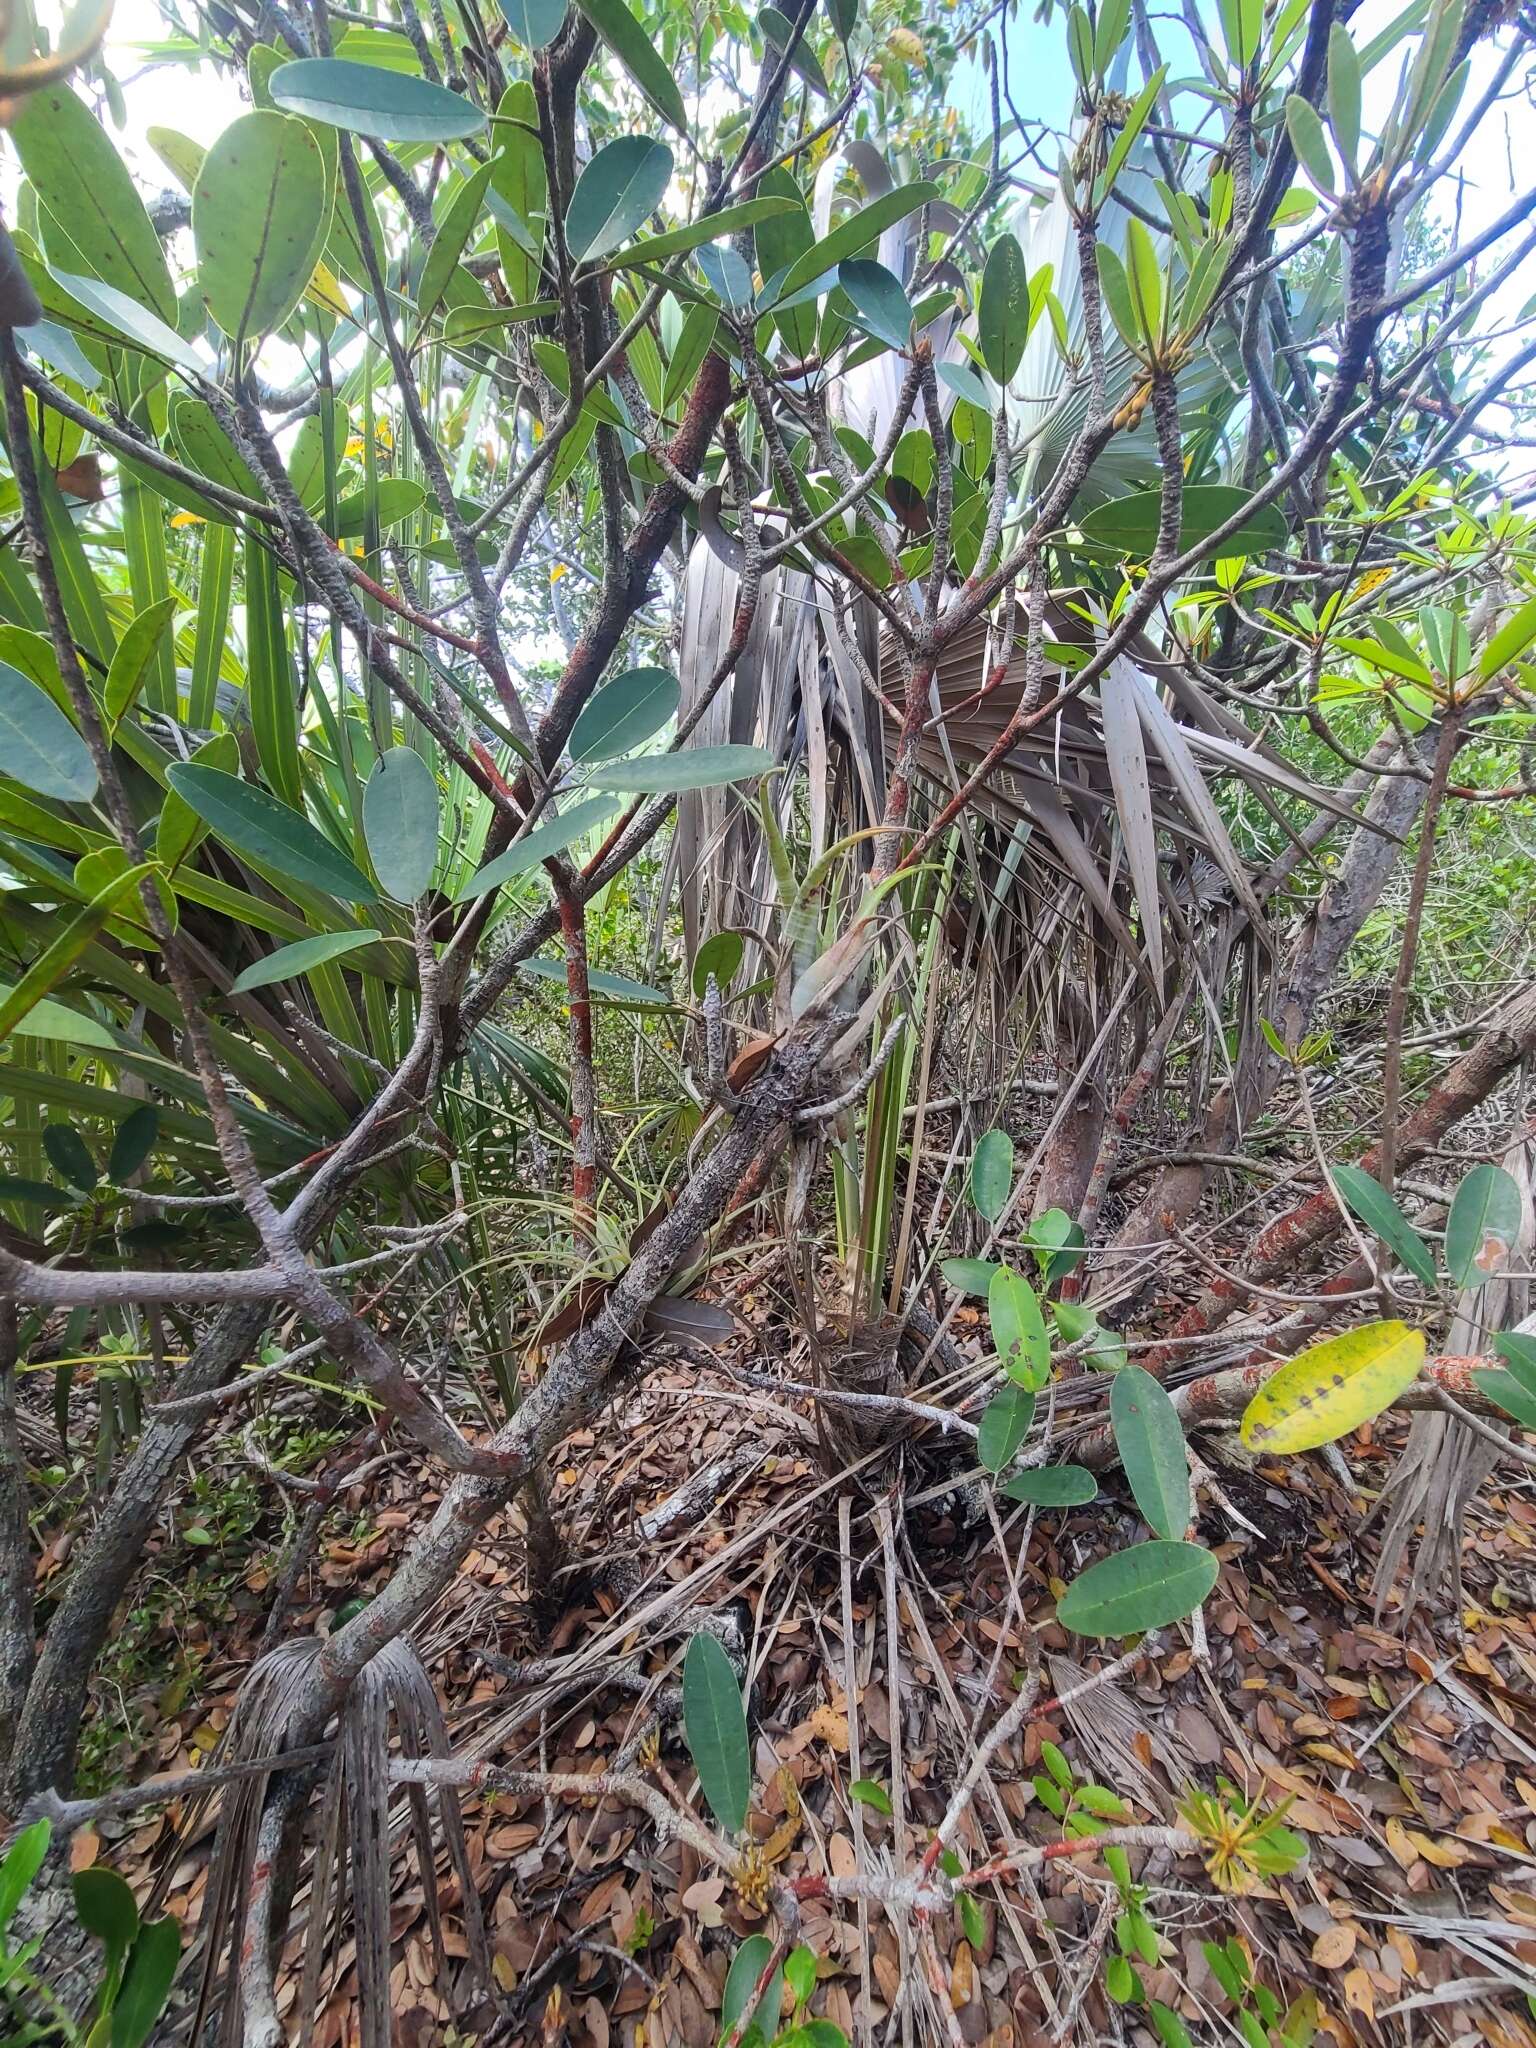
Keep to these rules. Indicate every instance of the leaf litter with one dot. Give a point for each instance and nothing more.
(1408, 1761)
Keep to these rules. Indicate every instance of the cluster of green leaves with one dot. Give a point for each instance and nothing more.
(138, 1966)
(1334, 1387)
(1082, 1807)
(1323, 1394)
(1153, 1583)
(1259, 2016)
(1244, 1841)
(715, 1729)
(767, 2026)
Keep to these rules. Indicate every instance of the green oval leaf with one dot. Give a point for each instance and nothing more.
(1344, 94)
(709, 227)
(720, 955)
(23, 1860)
(1519, 1353)
(391, 106)
(602, 987)
(966, 383)
(779, 36)
(106, 1908)
(39, 748)
(1052, 1486)
(393, 499)
(747, 1966)
(535, 23)
(37, 1194)
(1057, 1241)
(1074, 1323)
(1150, 1440)
(636, 51)
(1305, 129)
(853, 236)
(179, 828)
(697, 768)
(1381, 1215)
(1333, 1387)
(624, 714)
(726, 274)
(70, 1156)
(1509, 1393)
(288, 962)
(1147, 1586)
(1484, 1223)
(1004, 1425)
(55, 1021)
(1002, 311)
(88, 190)
(132, 320)
(106, 869)
(870, 1792)
(400, 823)
(883, 308)
(1129, 524)
(715, 1728)
(458, 223)
(1018, 1329)
(147, 1984)
(1510, 642)
(525, 854)
(132, 1142)
(260, 214)
(970, 1276)
(620, 187)
(991, 1173)
(136, 657)
(252, 823)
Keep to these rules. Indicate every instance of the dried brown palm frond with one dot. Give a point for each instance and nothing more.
(1443, 1464)
(391, 1703)
(798, 690)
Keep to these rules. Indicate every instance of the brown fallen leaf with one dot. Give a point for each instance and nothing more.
(704, 1899)
(962, 1978)
(1335, 1945)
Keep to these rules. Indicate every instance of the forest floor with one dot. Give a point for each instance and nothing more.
(1409, 1757)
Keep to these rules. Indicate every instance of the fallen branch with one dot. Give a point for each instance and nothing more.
(1221, 1397)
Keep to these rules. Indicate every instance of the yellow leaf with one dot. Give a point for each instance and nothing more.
(1503, 1838)
(960, 1980)
(1373, 580)
(1358, 1993)
(1444, 1855)
(1330, 1753)
(324, 291)
(1333, 1387)
(1397, 1841)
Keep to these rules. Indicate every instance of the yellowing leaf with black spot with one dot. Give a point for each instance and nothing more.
(1333, 1388)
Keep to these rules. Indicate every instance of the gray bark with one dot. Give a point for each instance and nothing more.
(48, 1727)
(1309, 973)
